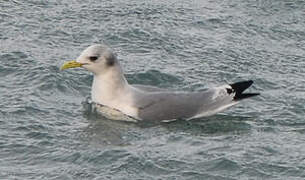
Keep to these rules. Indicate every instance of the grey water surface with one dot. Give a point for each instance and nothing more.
(49, 131)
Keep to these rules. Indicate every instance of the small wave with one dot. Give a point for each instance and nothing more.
(154, 78)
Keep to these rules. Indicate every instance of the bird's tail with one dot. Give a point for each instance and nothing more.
(240, 87)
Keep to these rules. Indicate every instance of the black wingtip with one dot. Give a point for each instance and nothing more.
(240, 87)
(244, 96)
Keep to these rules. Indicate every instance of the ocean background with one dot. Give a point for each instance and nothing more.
(49, 131)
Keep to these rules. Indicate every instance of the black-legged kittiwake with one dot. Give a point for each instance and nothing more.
(111, 89)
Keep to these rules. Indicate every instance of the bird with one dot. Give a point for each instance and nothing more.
(148, 103)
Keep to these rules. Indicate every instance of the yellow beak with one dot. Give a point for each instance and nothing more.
(70, 64)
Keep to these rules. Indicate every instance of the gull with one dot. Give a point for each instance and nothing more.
(147, 103)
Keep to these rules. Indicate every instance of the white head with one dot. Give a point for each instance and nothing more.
(109, 81)
(96, 58)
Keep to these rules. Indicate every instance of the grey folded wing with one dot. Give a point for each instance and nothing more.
(171, 105)
(148, 88)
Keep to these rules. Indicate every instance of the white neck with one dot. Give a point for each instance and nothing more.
(112, 89)
(108, 86)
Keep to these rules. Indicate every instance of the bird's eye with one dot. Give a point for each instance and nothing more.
(93, 58)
